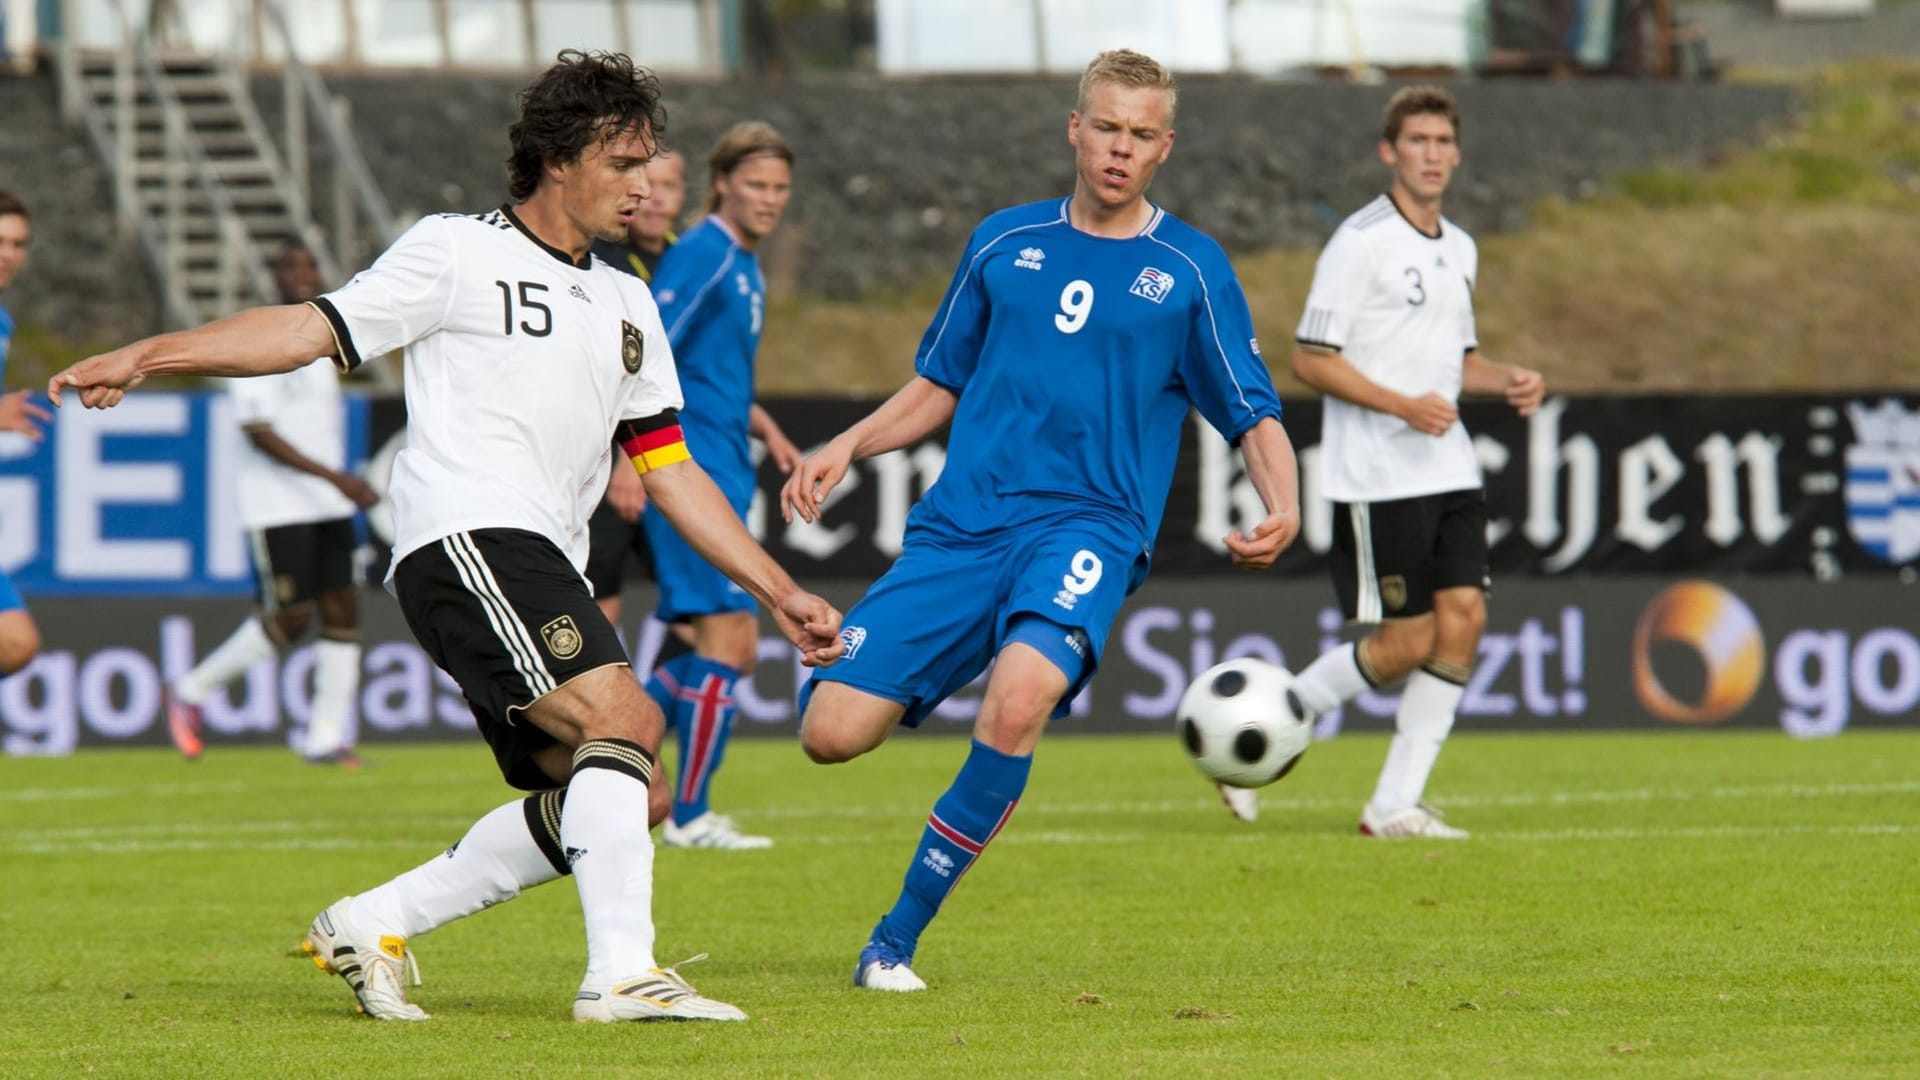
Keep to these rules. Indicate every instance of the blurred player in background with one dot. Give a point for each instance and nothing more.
(1388, 337)
(615, 533)
(713, 299)
(297, 506)
(19, 634)
(523, 357)
(1076, 336)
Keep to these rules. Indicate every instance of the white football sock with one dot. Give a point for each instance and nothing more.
(604, 831)
(1332, 680)
(245, 647)
(493, 863)
(336, 679)
(1420, 729)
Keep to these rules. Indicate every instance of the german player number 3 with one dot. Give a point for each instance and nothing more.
(1085, 570)
(1076, 302)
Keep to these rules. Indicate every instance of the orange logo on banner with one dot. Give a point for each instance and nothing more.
(1722, 632)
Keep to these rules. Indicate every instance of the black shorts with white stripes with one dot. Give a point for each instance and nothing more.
(505, 614)
(1389, 558)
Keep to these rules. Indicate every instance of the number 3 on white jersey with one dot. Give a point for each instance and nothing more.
(1076, 303)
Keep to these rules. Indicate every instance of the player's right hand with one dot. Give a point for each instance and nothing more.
(102, 380)
(813, 480)
(812, 625)
(357, 491)
(18, 414)
(1430, 414)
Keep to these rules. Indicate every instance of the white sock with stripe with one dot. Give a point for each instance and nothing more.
(604, 832)
(498, 858)
(245, 647)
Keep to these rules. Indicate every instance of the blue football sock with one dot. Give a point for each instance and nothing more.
(702, 721)
(664, 685)
(963, 822)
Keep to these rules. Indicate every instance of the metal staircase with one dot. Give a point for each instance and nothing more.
(199, 177)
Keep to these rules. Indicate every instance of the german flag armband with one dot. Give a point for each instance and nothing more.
(654, 442)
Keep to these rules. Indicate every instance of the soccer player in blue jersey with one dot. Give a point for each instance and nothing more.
(19, 635)
(713, 302)
(1075, 337)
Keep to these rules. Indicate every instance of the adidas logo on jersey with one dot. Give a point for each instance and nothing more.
(580, 294)
(1030, 258)
(1153, 284)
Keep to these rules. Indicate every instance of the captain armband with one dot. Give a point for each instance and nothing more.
(654, 442)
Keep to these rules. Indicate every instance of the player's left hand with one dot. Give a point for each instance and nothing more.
(785, 455)
(1264, 542)
(812, 625)
(18, 414)
(1526, 388)
(102, 380)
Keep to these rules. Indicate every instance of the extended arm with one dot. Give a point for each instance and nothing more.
(701, 514)
(913, 412)
(1523, 388)
(258, 341)
(1276, 476)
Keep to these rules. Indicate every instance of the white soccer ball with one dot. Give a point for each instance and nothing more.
(1242, 723)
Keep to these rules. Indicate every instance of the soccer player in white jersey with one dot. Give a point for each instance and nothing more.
(297, 506)
(523, 357)
(1388, 337)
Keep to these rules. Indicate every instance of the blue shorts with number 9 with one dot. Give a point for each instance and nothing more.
(934, 621)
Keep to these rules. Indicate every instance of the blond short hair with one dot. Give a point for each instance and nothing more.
(746, 139)
(1124, 67)
(1418, 101)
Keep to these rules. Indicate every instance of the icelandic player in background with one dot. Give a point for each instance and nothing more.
(19, 634)
(297, 507)
(1388, 336)
(524, 356)
(1073, 341)
(713, 300)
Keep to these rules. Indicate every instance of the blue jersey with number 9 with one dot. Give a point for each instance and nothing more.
(1076, 358)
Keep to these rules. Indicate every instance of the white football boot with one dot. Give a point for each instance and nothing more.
(377, 968)
(1243, 803)
(881, 967)
(1417, 820)
(660, 994)
(711, 830)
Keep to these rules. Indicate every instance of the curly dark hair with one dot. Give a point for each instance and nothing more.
(583, 97)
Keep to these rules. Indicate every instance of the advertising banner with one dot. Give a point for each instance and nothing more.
(135, 501)
(1806, 658)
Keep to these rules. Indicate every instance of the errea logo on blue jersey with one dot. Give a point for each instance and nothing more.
(1030, 258)
(1152, 284)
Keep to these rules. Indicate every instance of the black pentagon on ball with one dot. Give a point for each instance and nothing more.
(1190, 734)
(1288, 767)
(1250, 745)
(1297, 707)
(1228, 683)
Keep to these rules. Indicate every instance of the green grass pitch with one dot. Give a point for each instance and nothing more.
(1660, 905)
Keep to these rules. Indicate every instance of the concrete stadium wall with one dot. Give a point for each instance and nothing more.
(84, 281)
(893, 175)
